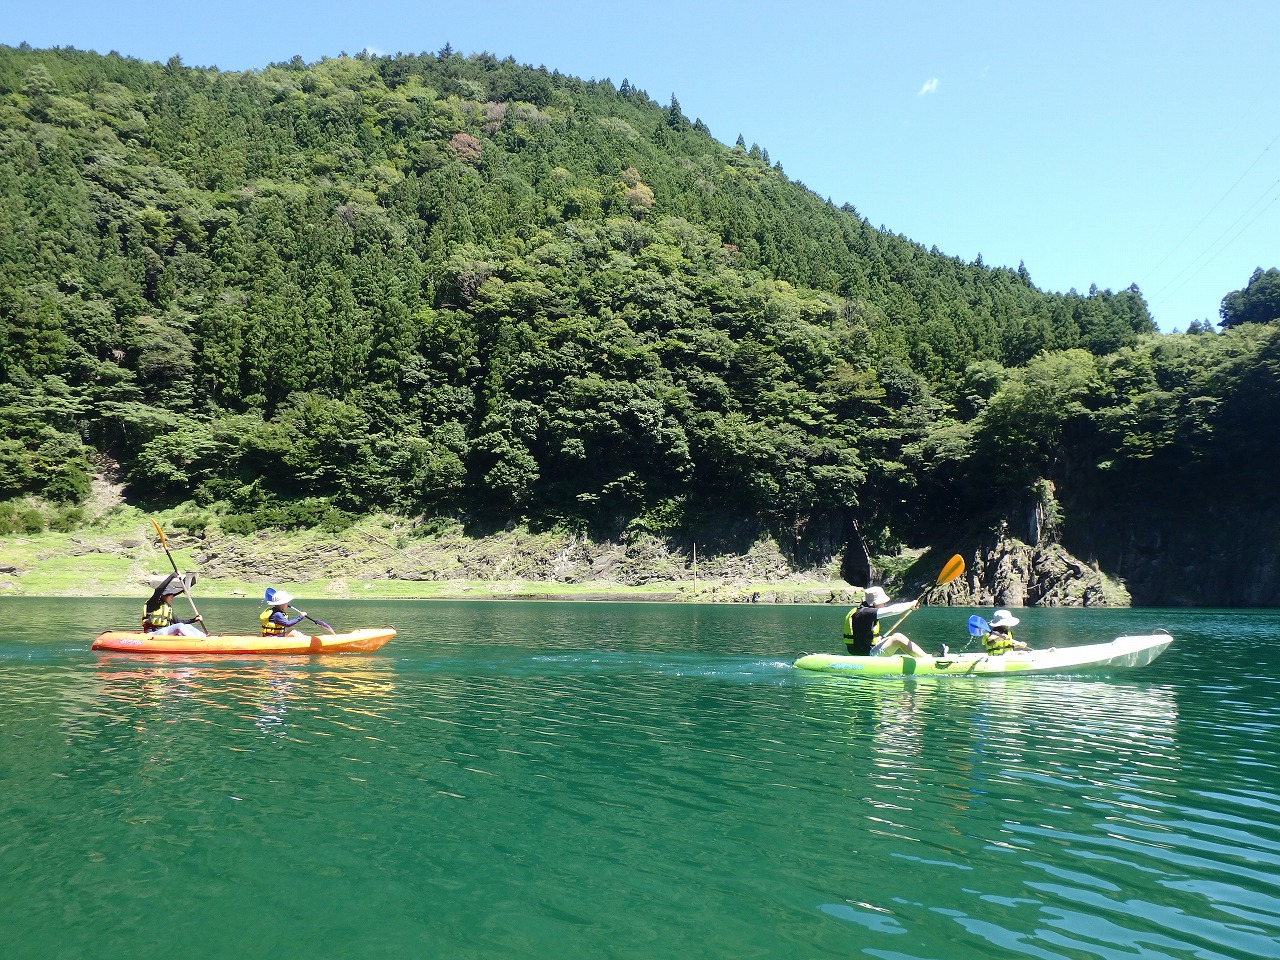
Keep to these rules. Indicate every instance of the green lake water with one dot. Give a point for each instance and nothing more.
(581, 780)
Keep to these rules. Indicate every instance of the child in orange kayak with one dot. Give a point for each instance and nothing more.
(275, 619)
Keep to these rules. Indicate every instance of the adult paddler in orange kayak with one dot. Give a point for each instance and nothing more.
(157, 612)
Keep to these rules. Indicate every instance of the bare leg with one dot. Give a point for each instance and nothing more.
(896, 642)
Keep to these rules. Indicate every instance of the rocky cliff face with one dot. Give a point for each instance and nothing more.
(1010, 573)
(1216, 554)
(1023, 564)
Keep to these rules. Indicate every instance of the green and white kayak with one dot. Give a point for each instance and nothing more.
(1123, 652)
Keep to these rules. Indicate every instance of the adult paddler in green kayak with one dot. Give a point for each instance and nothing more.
(862, 624)
(862, 627)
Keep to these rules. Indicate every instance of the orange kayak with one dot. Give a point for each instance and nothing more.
(357, 641)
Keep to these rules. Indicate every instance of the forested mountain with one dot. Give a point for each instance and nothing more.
(459, 286)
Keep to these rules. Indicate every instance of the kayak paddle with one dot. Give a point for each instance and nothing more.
(953, 569)
(269, 596)
(181, 579)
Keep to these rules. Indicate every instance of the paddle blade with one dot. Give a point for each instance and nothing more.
(163, 542)
(953, 569)
(269, 595)
(978, 627)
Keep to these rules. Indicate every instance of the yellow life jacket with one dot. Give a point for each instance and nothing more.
(998, 642)
(269, 627)
(157, 617)
(861, 630)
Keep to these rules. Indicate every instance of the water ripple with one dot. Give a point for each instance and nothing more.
(633, 782)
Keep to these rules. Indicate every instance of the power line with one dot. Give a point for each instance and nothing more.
(1210, 211)
(1182, 279)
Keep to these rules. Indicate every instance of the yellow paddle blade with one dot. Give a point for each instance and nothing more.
(953, 569)
(165, 543)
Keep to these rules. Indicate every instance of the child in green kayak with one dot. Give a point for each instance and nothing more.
(1000, 639)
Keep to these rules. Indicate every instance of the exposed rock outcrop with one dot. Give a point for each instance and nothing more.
(1011, 573)
(1006, 571)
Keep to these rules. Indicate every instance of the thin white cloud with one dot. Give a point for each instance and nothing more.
(931, 86)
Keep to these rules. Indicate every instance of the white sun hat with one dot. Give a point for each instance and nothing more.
(1004, 618)
(876, 596)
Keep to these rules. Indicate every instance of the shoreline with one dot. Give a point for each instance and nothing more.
(503, 591)
(119, 555)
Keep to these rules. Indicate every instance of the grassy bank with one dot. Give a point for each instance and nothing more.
(119, 553)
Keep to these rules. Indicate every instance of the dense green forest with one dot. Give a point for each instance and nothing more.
(449, 286)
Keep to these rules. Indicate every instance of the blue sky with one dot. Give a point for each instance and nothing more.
(1104, 143)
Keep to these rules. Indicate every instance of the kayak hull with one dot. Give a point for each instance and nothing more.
(355, 641)
(1121, 653)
